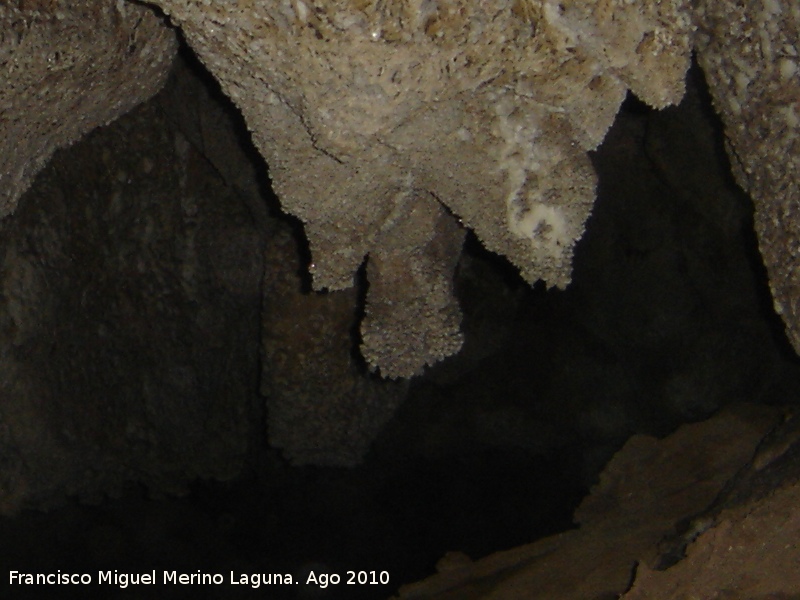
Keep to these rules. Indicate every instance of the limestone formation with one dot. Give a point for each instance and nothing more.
(749, 52)
(129, 310)
(372, 115)
(67, 67)
(644, 490)
(391, 126)
(322, 409)
(376, 116)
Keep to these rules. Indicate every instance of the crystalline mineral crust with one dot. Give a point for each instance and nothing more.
(376, 115)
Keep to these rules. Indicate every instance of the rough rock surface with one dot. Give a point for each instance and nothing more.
(745, 545)
(65, 68)
(750, 54)
(322, 407)
(337, 94)
(129, 319)
(342, 98)
(647, 488)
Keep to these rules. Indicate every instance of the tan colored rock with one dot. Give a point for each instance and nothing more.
(752, 553)
(67, 67)
(750, 54)
(411, 291)
(368, 111)
(322, 407)
(644, 491)
(745, 546)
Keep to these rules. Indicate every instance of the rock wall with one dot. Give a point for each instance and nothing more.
(750, 54)
(389, 127)
(646, 488)
(65, 68)
(129, 319)
(341, 97)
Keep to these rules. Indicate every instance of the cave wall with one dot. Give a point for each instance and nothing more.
(133, 306)
(724, 524)
(749, 52)
(65, 68)
(341, 99)
(129, 317)
(337, 93)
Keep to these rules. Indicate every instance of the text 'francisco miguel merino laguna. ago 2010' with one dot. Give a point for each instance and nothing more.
(255, 580)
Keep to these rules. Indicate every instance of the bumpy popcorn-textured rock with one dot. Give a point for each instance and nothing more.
(749, 52)
(411, 290)
(487, 108)
(67, 67)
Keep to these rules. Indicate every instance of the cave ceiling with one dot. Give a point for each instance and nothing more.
(390, 128)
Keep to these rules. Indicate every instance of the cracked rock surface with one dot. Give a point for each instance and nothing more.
(343, 98)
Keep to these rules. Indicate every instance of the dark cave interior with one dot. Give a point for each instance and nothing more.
(668, 319)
